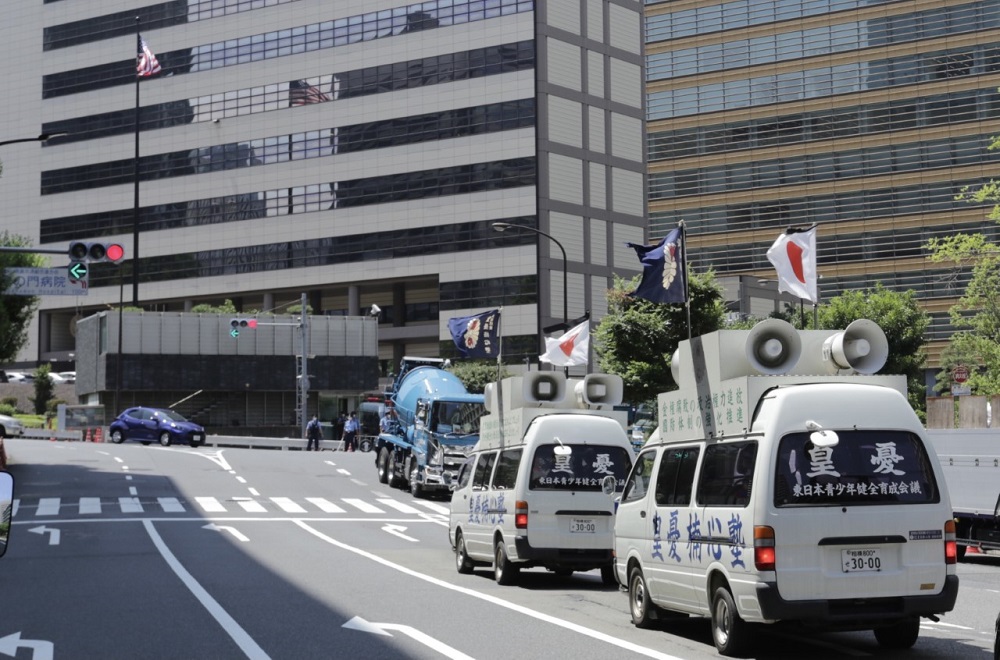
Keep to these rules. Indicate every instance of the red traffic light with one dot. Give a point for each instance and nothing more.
(114, 252)
(252, 323)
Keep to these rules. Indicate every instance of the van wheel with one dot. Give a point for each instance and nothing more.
(729, 632)
(903, 635)
(462, 561)
(504, 571)
(383, 466)
(639, 604)
(608, 576)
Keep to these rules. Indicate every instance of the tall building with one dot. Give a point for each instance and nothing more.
(866, 117)
(357, 151)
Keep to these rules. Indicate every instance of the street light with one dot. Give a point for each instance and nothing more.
(41, 138)
(502, 226)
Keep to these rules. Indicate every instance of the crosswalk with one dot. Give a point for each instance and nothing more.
(48, 507)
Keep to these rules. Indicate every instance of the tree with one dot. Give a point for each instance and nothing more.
(16, 312)
(637, 338)
(904, 323)
(44, 389)
(475, 374)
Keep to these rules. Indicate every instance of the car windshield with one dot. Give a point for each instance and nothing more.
(170, 414)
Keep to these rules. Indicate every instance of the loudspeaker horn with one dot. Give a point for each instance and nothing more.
(543, 387)
(773, 347)
(862, 346)
(599, 391)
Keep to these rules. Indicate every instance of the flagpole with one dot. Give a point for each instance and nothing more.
(684, 269)
(135, 186)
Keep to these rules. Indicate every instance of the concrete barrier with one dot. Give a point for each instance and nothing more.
(249, 442)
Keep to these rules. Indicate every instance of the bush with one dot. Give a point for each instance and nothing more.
(7, 409)
(52, 407)
(9, 401)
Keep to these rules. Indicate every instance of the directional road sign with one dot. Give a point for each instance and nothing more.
(78, 270)
(44, 282)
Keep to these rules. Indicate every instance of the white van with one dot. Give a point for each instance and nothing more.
(534, 497)
(787, 497)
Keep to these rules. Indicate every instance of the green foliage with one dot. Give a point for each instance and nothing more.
(475, 374)
(226, 307)
(52, 406)
(904, 323)
(44, 388)
(7, 409)
(16, 312)
(9, 401)
(637, 338)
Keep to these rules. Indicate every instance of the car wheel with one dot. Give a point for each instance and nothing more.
(504, 572)
(563, 572)
(383, 465)
(729, 632)
(415, 488)
(639, 604)
(462, 561)
(902, 635)
(165, 439)
(196, 443)
(608, 576)
(117, 436)
(365, 446)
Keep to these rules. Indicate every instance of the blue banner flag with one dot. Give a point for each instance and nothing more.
(664, 276)
(477, 336)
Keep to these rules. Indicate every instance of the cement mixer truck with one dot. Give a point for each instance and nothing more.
(437, 425)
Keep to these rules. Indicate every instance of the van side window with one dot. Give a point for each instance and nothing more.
(675, 480)
(506, 472)
(481, 479)
(638, 482)
(465, 472)
(727, 474)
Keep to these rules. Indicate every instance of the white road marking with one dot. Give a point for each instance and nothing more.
(210, 504)
(344, 472)
(171, 504)
(287, 504)
(241, 480)
(357, 623)
(250, 648)
(362, 505)
(398, 506)
(252, 506)
(133, 491)
(90, 505)
(48, 506)
(324, 505)
(434, 506)
(253, 491)
(130, 504)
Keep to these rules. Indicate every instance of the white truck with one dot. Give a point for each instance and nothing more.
(970, 460)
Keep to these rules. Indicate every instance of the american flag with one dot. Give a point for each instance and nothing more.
(302, 93)
(146, 63)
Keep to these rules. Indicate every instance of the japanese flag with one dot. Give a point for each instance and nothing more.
(794, 257)
(571, 349)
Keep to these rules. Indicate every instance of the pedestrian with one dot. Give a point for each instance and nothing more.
(314, 433)
(351, 432)
(388, 422)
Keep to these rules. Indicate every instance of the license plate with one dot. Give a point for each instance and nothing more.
(856, 561)
(583, 526)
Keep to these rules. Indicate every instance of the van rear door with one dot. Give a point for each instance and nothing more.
(861, 519)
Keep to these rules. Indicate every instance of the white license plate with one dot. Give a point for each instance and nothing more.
(861, 560)
(583, 525)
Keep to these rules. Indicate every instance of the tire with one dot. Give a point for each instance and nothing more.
(730, 633)
(462, 561)
(902, 635)
(165, 439)
(366, 445)
(608, 576)
(504, 571)
(383, 465)
(390, 465)
(639, 604)
(563, 572)
(117, 436)
(415, 488)
(196, 443)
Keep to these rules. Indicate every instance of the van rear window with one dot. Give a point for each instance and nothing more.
(864, 468)
(582, 469)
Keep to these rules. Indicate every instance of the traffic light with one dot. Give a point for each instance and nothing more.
(92, 252)
(241, 324)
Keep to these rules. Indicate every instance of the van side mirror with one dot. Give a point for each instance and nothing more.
(608, 484)
(6, 508)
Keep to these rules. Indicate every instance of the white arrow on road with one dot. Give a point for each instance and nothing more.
(51, 531)
(397, 530)
(357, 623)
(10, 644)
(224, 528)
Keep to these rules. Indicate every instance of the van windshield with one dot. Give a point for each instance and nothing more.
(864, 468)
(581, 469)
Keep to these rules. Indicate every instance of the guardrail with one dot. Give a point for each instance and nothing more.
(250, 442)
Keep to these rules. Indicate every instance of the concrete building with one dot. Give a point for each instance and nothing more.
(866, 117)
(357, 151)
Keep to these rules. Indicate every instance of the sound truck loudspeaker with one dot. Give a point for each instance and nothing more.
(543, 387)
(862, 346)
(599, 391)
(773, 346)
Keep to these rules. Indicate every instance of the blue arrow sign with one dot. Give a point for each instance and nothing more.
(234, 333)
(78, 270)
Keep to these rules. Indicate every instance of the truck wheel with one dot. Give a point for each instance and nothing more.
(504, 572)
(729, 632)
(383, 466)
(415, 488)
(462, 561)
(902, 635)
(639, 604)
(390, 465)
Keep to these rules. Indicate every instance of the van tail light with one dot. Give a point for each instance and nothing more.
(763, 548)
(950, 545)
(521, 514)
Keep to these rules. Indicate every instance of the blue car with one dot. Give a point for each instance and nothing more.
(155, 425)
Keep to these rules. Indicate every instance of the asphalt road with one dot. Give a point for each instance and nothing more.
(148, 552)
